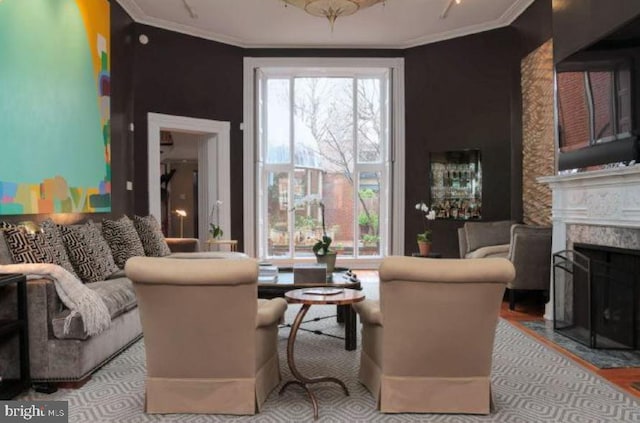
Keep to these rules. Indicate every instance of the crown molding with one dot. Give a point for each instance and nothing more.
(516, 9)
(506, 19)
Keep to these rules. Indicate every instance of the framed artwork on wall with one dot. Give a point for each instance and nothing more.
(55, 107)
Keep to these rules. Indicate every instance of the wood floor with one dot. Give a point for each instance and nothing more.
(532, 310)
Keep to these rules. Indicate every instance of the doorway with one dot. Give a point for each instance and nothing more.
(212, 143)
(179, 185)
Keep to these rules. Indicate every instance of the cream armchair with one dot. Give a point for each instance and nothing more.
(427, 344)
(211, 345)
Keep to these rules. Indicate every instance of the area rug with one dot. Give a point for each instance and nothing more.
(531, 383)
(603, 359)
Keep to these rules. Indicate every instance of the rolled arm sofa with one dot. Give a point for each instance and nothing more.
(56, 356)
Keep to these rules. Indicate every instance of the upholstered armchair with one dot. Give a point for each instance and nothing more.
(484, 239)
(427, 344)
(530, 253)
(211, 345)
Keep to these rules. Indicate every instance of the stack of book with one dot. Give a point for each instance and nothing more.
(268, 273)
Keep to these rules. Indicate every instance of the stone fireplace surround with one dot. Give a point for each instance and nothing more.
(599, 207)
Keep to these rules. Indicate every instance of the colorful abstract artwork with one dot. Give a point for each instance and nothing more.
(55, 92)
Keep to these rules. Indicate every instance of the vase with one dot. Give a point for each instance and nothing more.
(424, 248)
(329, 259)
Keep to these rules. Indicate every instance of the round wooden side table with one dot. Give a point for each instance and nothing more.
(308, 297)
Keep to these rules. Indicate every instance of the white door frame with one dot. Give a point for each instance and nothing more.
(214, 166)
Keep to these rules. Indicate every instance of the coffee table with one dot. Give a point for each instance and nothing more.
(340, 279)
(345, 297)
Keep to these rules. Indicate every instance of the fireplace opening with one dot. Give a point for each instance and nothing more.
(596, 296)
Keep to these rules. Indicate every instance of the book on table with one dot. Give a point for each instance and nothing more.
(267, 273)
(323, 291)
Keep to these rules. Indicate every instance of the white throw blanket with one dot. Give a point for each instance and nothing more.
(73, 294)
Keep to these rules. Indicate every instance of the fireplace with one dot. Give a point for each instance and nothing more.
(600, 208)
(596, 295)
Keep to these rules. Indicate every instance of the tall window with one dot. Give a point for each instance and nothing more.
(323, 138)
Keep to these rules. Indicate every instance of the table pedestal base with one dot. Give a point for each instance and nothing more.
(301, 380)
(305, 386)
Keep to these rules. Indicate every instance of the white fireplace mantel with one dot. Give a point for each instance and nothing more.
(608, 197)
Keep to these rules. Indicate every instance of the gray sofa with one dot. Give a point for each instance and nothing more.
(72, 357)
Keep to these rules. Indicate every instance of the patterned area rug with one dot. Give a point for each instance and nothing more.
(531, 383)
(603, 359)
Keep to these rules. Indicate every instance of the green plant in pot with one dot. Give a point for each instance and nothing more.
(322, 247)
(215, 230)
(424, 238)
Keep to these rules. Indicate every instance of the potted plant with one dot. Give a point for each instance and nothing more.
(215, 230)
(322, 248)
(424, 238)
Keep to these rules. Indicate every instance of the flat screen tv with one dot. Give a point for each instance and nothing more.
(597, 104)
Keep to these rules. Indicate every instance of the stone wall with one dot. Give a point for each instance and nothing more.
(538, 155)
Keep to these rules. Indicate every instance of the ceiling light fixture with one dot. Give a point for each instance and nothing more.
(445, 11)
(331, 9)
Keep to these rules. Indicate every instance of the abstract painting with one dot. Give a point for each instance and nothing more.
(55, 93)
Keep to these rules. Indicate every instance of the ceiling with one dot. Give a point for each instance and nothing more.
(268, 23)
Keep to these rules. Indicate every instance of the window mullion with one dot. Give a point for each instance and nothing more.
(356, 171)
(291, 167)
(385, 165)
(262, 129)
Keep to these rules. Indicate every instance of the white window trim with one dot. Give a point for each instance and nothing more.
(397, 199)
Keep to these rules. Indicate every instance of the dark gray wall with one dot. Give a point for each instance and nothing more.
(461, 93)
(578, 23)
(181, 75)
(458, 97)
(122, 152)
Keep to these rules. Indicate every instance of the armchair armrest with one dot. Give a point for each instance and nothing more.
(369, 312)
(462, 242)
(530, 253)
(527, 240)
(270, 311)
(183, 245)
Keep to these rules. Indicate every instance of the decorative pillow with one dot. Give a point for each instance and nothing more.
(6, 225)
(151, 236)
(88, 251)
(54, 241)
(5, 254)
(123, 239)
(27, 247)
